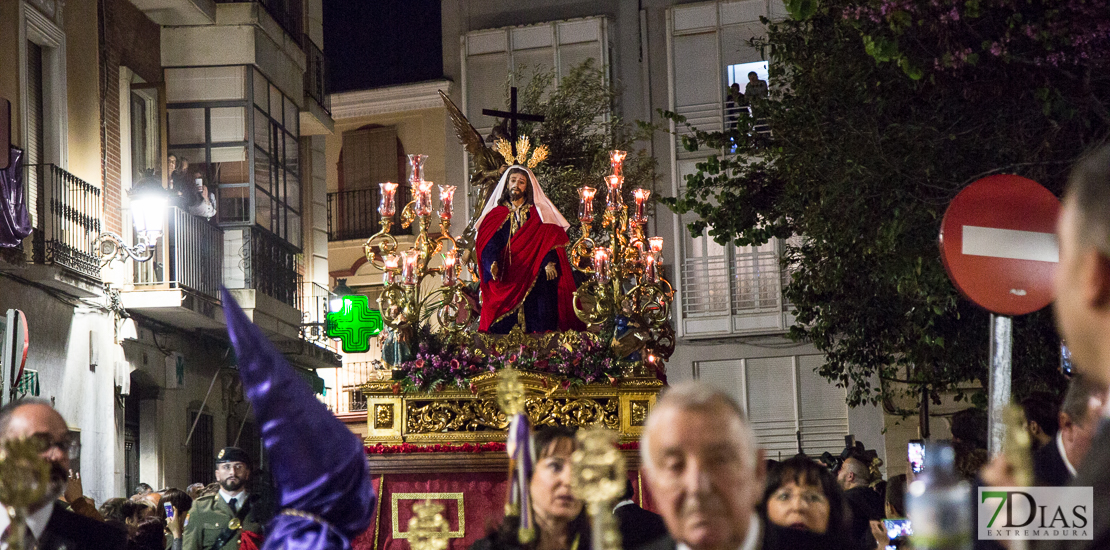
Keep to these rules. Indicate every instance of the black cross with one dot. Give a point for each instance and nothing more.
(513, 117)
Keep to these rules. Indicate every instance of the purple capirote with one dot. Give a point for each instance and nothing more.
(319, 466)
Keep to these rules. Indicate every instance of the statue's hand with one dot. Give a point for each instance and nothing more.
(550, 269)
(493, 269)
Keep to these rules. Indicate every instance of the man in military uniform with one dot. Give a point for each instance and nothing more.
(219, 521)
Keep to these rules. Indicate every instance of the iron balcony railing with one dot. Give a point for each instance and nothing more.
(315, 75)
(354, 214)
(348, 396)
(67, 219)
(287, 13)
(316, 300)
(273, 267)
(752, 284)
(189, 256)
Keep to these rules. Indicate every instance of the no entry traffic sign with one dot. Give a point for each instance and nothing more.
(998, 244)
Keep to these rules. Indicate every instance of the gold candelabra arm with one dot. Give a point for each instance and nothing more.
(408, 214)
(580, 253)
(599, 475)
(395, 305)
(24, 481)
(455, 314)
(592, 304)
(385, 243)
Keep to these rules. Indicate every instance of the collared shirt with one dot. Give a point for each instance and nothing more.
(36, 521)
(241, 498)
(1064, 454)
(625, 502)
(751, 542)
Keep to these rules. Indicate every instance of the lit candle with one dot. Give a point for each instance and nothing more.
(586, 204)
(424, 198)
(641, 196)
(601, 264)
(656, 244)
(613, 200)
(446, 195)
(649, 267)
(391, 262)
(388, 207)
(616, 162)
(449, 261)
(416, 169)
(408, 273)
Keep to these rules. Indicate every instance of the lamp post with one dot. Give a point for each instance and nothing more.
(148, 213)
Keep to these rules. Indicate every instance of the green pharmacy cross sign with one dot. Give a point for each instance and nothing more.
(354, 323)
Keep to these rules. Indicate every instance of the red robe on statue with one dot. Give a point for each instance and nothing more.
(526, 249)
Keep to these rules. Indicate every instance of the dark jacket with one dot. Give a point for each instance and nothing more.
(638, 526)
(1095, 473)
(76, 532)
(1048, 466)
(772, 537)
(865, 505)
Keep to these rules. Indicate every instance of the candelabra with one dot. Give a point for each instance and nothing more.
(404, 304)
(625, 275)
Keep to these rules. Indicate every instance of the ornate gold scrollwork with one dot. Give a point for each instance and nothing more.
(484, 414)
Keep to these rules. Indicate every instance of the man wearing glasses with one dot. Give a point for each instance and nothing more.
(49, 524)
(222, 520)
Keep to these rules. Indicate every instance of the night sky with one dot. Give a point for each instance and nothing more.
(375, 43)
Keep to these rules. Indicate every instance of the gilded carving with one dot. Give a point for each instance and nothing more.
(637, 412)
(484, 414)
(383, 416)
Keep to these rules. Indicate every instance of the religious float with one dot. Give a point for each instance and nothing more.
(582, 326)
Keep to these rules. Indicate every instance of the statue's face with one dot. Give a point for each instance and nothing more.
(518, 186)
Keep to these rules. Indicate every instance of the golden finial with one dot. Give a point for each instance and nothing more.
(538, 156)
(1017, 445)
(523, 144)
(24, 480)
(599, 478)
(506, 149)
(510, 392)
(427, 528)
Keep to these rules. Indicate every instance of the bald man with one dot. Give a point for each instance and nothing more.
(50, 525)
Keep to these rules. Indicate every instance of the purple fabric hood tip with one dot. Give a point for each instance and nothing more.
(319, 466)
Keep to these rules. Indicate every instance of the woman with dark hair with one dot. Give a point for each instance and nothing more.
(148, 534)
(180, 503)
(803, 496)
(560, 519)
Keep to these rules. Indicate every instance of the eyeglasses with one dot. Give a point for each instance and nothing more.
(68, 445)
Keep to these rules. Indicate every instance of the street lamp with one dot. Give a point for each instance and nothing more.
(148, 212)
(337, 294)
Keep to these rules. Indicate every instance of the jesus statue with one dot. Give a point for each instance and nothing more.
(525, 275)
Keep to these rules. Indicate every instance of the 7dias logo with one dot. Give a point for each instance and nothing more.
(1035, 513)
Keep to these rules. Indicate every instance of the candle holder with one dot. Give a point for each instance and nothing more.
(614, 201)
(601, 264)
(656, 244)
(423, 204)
(586, 204)
(641, 196)
(446, 196)
(416, 168)
(388, 206)
(449, 268)
(408, 272)
(616, 162)
(392, 262)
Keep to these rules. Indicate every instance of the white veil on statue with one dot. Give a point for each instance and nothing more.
(547, 210)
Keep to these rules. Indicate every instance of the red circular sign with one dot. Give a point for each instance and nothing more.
(998, 244)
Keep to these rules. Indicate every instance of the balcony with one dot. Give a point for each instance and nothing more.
(180, 285)
(314, 350)
(316, 116)
(65, 214)
(354, 214)
(287, 13)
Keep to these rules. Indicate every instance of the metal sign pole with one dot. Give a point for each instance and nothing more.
(1002, 327)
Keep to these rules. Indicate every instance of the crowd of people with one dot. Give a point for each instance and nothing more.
(707, 477)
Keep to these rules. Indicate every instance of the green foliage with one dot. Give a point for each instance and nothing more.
(580, 129)
(867, 149)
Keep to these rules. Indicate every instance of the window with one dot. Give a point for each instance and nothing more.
(491, 55)
(241, 136)
(202, 464)
(709, 51)
(43, 101)
(790, 407)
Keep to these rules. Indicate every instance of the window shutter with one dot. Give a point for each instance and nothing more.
(771, 405)
(369, 157)
(823, 408)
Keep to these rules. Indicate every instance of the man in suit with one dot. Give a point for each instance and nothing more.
(49, 525)
(704, 470)
(220, 521)
(1082, 310)
(638, 526)
(1055, 463)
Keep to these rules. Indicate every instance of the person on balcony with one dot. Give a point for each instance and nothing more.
(190, 193)
(525, 275)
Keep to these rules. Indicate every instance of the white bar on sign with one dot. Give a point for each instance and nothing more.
(1010, 243)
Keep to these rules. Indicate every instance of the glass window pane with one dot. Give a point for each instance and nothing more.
(262, 170)
(205, 83)
(291, 117)
(262, 130)
(229, 154)
(278, 214)
(293, 191)
(264, 213)
(234, 172)
(485, 78)
(279, 187)
(292, 152)
(294, 229)
(186, 125)
(275, 104)
(261, 91)
(234, 204)
(228, 124)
